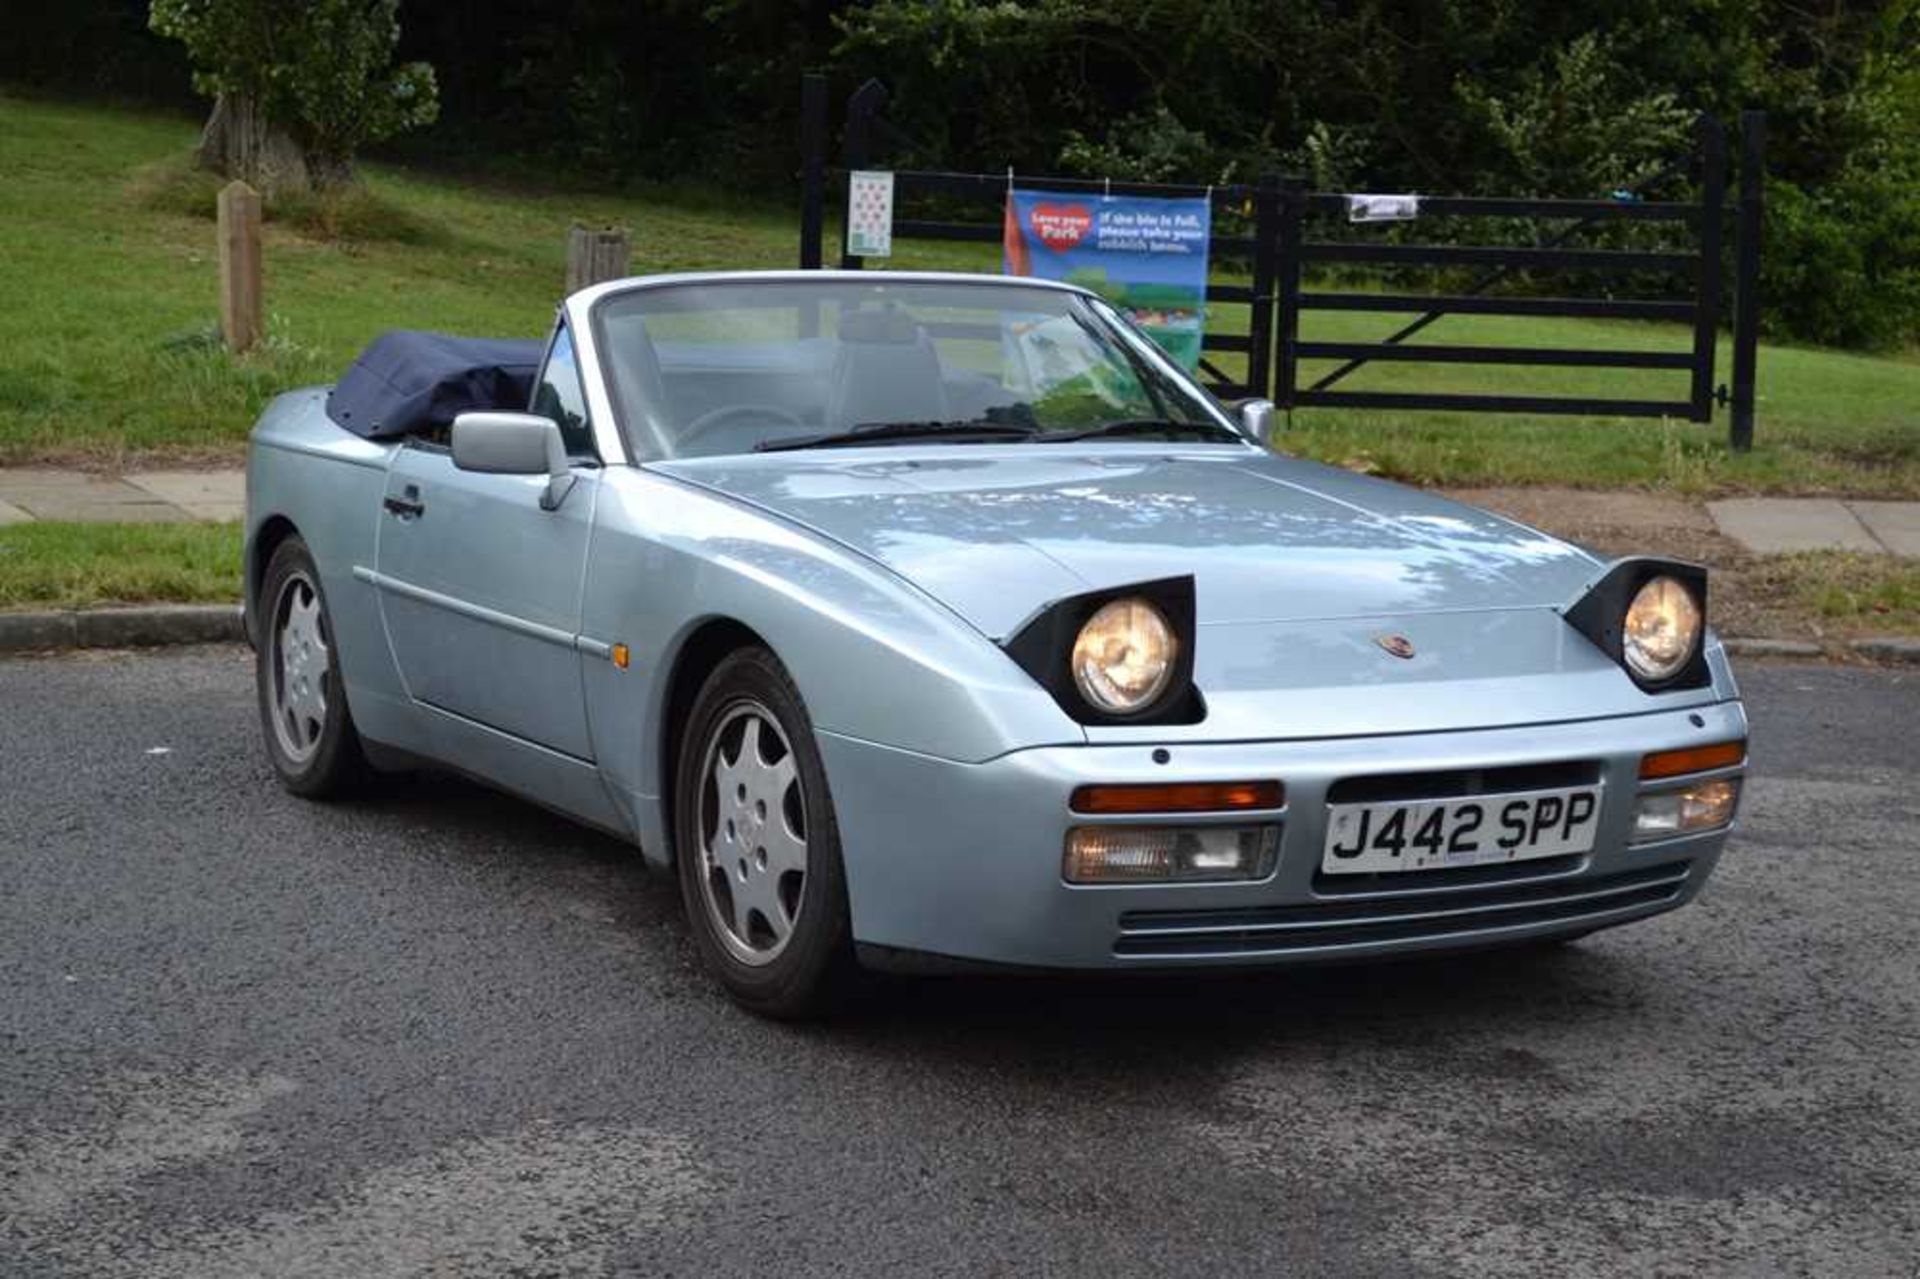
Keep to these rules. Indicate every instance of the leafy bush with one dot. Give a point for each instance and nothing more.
(1149, 146)
(338, 86)
(318, 70)
(1840, 262)
(1580, 124)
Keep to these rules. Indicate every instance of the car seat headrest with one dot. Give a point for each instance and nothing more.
(890, 327)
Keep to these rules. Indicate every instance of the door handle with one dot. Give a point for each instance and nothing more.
(405, 507)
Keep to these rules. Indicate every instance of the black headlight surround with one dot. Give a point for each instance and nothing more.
(1043, 648)
(1601, 616)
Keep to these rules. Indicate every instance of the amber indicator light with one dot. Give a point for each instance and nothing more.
(1694, 759)
(620, 656)
(1179, 797)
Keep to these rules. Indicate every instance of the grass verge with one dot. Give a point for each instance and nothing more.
(1836, 594)
(56, 566)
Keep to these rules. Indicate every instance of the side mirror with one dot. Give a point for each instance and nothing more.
(1256, 418)
(515, 444)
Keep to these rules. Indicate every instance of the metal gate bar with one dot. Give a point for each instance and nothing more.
(1494, 255)
(1496, 355)
(1587, 308)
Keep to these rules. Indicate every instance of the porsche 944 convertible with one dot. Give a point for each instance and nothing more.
(922, 622)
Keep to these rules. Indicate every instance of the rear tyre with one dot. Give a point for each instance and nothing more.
(758, 849)
(310, 736)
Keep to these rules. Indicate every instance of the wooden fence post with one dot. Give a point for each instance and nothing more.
(241, 317)
(596, 256)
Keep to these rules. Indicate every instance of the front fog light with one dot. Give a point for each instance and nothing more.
(1686, 811)
(1167, 854)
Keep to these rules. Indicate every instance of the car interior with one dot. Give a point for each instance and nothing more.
(717, 397)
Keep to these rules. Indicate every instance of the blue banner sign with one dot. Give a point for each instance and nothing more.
(1146, 255)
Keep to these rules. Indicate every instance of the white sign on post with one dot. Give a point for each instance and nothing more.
(1382, 208)
(870, 213)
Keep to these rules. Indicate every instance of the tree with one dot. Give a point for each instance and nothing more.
(298, 85)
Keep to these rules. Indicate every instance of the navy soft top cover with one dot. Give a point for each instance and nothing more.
(407, 382)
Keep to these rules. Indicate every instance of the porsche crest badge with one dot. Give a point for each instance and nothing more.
(1398, 645)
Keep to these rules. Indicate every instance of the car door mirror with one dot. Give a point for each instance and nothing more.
(515, 444)
(1256, 418)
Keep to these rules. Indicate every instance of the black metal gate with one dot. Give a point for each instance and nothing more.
(1277, 217)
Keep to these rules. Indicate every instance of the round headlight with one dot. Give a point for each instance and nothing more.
(1662, 629)
(1124, 656)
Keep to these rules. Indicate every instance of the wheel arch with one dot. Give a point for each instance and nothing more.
(266, 539)
(699, 654)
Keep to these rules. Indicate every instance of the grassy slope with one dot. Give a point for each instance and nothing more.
(104, 330)
(111, 294)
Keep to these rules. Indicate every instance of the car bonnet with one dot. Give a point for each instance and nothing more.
(997, 532)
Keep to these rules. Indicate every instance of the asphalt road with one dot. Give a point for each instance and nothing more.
(439, 1031)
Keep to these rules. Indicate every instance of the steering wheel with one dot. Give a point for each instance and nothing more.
(714, 418)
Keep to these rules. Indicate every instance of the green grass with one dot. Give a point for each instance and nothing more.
(108, 348)
(107, 323)
(50, 565)
(1827, 422)
(1826, 596)
(1867, 591)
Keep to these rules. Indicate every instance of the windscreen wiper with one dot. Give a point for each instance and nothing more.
(893, 432)
(1145, 426)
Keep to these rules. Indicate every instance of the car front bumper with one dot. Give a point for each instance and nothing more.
(952, 864)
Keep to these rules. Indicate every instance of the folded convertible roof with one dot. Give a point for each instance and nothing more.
(408, 381)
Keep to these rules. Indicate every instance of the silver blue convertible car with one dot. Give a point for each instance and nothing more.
(926, 621)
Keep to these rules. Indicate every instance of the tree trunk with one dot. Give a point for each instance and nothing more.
(328, 173)
(240, 142)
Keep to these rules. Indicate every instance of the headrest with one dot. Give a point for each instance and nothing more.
(888, 327)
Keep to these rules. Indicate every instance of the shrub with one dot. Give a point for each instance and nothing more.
(316, 71)
(1841, 266)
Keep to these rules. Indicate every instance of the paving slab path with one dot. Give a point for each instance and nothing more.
(1765, 525)
(1772, 525)
(142, 497)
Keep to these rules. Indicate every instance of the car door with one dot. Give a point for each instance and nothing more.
(480, 588)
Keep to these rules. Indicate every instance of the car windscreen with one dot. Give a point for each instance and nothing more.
(732, 366)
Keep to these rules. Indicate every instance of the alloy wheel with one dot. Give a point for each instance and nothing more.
(299, 691)
(753, 834)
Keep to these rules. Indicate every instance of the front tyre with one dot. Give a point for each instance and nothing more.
(303, 703)
(758, 846)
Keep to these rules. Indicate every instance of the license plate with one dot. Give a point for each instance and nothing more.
(1436, 834)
